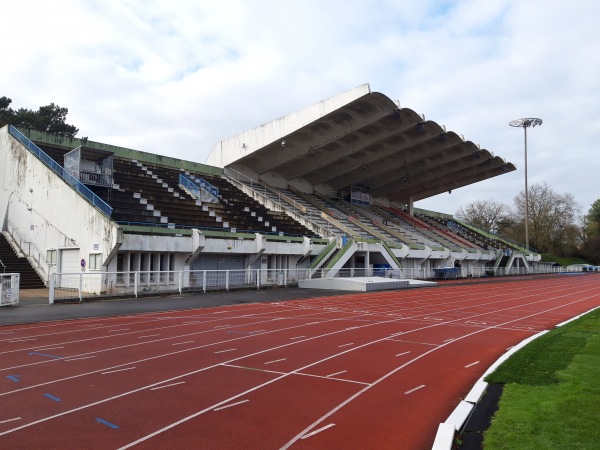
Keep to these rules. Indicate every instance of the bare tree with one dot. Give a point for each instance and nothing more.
(551, 218)
(488, 215)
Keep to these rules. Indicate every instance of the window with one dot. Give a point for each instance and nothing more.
(95, 261)
(51, 257)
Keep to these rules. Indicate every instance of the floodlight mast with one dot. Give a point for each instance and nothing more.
(526, 123)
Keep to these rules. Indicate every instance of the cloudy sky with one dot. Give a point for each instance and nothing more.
(175, 77)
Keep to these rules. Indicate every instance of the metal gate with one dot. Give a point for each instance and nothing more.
(9, 288)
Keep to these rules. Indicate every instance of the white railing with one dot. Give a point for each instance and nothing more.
(9, 289)
(29, 249)
(85, 285)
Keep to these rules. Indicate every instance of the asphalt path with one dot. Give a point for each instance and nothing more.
(33, 307)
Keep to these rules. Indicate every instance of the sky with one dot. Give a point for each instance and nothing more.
(176, 77)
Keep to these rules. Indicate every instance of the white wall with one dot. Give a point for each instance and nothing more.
(229, 150)
(44, 209)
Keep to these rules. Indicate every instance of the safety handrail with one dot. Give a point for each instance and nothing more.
(240, 177)
(83, 190)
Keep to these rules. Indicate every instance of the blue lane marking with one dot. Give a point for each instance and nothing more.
(108, 424)
(44, 354)
(13, 378)
(52, 397)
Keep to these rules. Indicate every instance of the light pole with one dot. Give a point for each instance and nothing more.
(526, 123)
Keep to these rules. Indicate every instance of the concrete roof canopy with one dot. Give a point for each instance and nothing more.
(362, 138)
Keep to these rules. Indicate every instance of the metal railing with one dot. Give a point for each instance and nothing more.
(88, 285)
(266, 191)
(195, 189)
(81, 188)
(28, 248)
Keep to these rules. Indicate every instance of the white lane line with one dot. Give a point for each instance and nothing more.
(222, 326)
(415, 389)
(472, 364)
(297, 337)
(166, 386)
(121, 329)
(414, 342)
(181, 343)
(10, 420)
(317, 431)
(291, 442)
(39, 349)
(22, 340)
(228, 350)
(276, 360)
(404, 353)
(6, 332)
(346, 345)
(148, 335)
(77, 359)
(449, 340)
(337, 373)
(118, 370)
(229, 406)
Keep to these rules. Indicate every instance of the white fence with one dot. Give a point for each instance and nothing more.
(9, 288)
(80, 285)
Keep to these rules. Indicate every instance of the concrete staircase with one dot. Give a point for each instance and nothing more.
(15, 264)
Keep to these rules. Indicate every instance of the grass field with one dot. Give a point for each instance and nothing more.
(551, 398)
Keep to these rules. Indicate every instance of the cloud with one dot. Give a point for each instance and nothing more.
(175, 79)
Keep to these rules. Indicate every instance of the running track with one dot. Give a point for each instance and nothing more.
(359, 371)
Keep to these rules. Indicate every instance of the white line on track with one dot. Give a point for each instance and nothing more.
(225, 351)
(337, 373)
(472, 364)
(414, 389)
(166, 386)
(413, 342)
(275, 360)
(38, 349)
(114, 331)
(423, 355)
(148, 335)
(10, 420)
(297, 337)
(230, 405)
(118, 370)
(317, 431)
(14, 341)
(77, 359)
(320, 420)
(404, 353)
(346, 345)
(181, 343)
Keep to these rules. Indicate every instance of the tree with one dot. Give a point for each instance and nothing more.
(551, 219)
(488, 215)
(594, 214)
(50, 118)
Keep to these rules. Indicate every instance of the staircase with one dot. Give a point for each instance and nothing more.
(14, 264)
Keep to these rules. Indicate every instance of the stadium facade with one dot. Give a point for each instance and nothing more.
(326, 190)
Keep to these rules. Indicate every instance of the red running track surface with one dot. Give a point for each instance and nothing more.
(376, 370)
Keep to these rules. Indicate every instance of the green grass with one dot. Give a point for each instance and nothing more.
(562, 260)
(551, 398)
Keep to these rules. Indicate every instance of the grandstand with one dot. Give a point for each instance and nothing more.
(326, 191)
